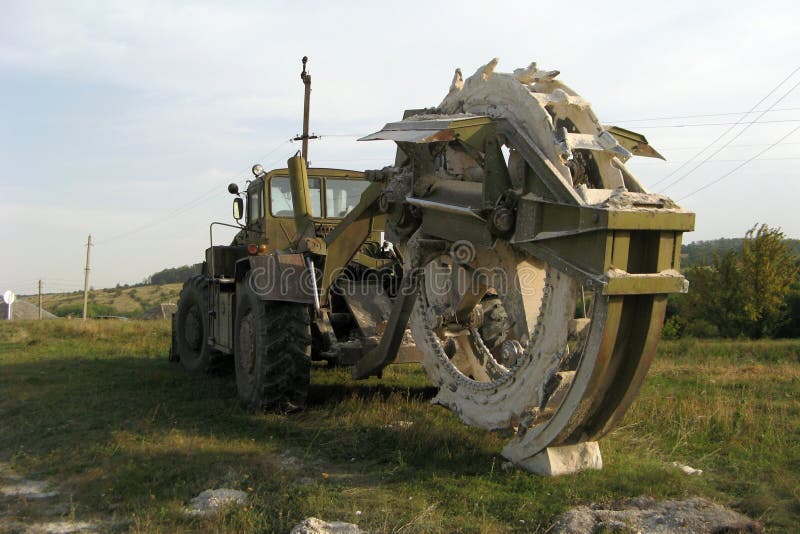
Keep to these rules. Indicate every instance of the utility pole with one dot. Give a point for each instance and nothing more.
(86, 277)
(40, 300)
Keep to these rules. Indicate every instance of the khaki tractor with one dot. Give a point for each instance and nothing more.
(508, 249)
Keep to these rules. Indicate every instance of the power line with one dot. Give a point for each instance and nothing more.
(782, 158)
(723, 134)
(741, 145)
(728, 114)
(745, 162)
(736, 136)
(715, 124)
(185, 207)
(179, 211)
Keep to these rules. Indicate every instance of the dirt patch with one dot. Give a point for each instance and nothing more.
(27, 489)
(51, 527)
(16, 492)
(646, 515)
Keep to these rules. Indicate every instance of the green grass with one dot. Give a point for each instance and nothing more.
(97, 409)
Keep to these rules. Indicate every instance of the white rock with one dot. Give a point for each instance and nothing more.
(313, 525)
(688, 469)
(211, 501)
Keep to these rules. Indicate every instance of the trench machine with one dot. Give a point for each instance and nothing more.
(508, 249)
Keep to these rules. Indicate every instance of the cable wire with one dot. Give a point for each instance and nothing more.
(723, 134)
(653, 126)
(728, 114)
(731, 140)
(185, 207)
(745, 162)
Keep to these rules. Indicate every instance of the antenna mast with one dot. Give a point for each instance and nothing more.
(306, 77)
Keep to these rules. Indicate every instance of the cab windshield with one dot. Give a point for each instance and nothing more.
(341, 196)
(280, 195)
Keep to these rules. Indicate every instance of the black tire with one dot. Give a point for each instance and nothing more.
(192, 328)
(272, 352)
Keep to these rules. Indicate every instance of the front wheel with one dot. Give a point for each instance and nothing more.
(272, 351)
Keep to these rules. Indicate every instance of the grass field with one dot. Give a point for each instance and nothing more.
(96, 409)
(124, 301)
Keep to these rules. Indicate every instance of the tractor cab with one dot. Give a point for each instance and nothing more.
(268, 219)
(333, 193)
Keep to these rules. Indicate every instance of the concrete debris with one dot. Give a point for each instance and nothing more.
(312, 525)
(646, 515)
(211, 501)
(556, 461)
(688, 469)
(27, 489)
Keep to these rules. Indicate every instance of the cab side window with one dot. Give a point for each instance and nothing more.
(255, 204)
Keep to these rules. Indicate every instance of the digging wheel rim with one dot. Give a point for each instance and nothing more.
(485, 390)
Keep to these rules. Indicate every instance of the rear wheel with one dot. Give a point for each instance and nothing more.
(272, 351)
(192, 328)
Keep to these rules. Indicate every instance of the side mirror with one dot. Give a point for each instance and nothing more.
(233, 189)
(238, 208)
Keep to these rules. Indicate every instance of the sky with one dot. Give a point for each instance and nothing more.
(127, 120)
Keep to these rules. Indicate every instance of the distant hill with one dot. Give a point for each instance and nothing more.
(134, 302)
(174, 275)
(139, 301)
(703, 252)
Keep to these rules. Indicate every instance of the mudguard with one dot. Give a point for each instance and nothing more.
(276, 276)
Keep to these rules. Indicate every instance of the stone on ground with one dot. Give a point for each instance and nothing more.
(648, 516)
(312, 525)
(211, 501)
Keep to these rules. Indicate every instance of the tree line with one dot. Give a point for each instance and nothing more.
(739, 288)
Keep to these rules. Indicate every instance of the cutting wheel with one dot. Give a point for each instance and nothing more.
(541, 265)
(557, 377)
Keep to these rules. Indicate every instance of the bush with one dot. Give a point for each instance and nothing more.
(93, 309)
(673, 328)
(700, 328)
